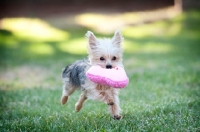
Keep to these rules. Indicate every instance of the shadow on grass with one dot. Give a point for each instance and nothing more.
(16, 50)
(20, 51)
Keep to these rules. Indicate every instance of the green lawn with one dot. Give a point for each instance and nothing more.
(162, 60)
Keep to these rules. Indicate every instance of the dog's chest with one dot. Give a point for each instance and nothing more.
(102, 88)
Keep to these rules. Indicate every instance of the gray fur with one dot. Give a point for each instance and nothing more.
(75, 73)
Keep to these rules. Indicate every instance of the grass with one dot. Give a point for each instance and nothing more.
(162, 60)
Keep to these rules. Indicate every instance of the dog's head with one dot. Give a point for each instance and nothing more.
(105, 52)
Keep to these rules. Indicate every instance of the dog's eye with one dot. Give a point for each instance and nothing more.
(114, 58)
(102, 59)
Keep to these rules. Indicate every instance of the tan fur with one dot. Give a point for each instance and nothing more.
(66, 93)
(80, 102)
(64, 99)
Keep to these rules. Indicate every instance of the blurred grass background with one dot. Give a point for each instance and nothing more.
(162, 60)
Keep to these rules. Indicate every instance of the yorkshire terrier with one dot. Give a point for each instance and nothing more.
(104, 52)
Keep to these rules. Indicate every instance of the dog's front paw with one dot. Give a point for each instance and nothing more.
(64, 99)
(117, 117)
(110, 103)
(78, 107)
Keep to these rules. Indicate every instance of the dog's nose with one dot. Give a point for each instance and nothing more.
(108, 66)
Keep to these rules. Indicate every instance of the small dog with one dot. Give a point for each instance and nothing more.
(104, 52)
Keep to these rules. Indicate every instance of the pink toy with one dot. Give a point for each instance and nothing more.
(115, 77)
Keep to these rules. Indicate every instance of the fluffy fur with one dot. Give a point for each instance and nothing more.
(104, 52)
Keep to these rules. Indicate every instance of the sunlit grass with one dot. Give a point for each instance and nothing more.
(106, 23)
(157, 29)
(33, 29)
(148, 47)
(109, 22)
(77, 46)
(41, 48)
(37, 30)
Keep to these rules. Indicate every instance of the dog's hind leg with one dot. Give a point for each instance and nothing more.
(67, 91)
(80, 102)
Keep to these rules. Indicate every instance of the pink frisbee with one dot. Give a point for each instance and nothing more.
(115, 77)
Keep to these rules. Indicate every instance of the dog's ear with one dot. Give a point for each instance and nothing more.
(92, 40)
(117, 38)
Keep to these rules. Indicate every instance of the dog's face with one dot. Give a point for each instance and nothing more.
(105, 52)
